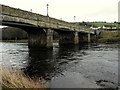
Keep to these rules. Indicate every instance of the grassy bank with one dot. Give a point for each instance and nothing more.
(109, 37)
(17, 41)
(22, 41)
(18, 80)
(102, 24)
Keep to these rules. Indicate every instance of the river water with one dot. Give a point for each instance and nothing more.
(84, 66)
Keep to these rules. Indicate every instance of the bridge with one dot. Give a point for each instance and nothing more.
(40, 28)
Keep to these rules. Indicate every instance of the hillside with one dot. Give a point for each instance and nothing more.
(102, 24)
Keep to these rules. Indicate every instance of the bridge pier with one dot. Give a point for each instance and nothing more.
(84, 37)
(93, 38)
(68, 38)
(76, 38)
(89, 40)
(40, 39)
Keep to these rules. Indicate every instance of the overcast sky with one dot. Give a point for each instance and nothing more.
(84, 10)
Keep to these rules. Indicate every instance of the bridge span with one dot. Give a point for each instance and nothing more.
(40, 28)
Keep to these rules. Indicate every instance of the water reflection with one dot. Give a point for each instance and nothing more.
(40, 63)
(49, 63)
(65, 51)
(91, 64)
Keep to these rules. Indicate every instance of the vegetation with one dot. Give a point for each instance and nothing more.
(10, 33)
(98, 24)
(102, 24)
(109, 37)
(18, 80)
(18, 41)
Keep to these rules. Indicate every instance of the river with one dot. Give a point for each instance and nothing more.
(84, 66)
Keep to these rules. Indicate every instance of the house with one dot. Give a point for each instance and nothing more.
(109, 27)
(95, 28)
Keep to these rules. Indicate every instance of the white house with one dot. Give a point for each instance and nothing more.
(109, 27)
(95, 28)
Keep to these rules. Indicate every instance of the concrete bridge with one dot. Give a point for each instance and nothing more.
(40, 28)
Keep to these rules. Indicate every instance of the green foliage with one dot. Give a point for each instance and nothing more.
(102, 24)
(109, 36)
(10, 33)
(18, 41)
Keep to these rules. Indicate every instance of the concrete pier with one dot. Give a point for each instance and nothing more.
(42, 39)
(89, 38)
(69, 38)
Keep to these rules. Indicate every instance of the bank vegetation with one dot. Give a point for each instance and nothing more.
(18, 80)
(109, 37)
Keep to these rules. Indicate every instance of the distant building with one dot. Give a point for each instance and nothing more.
(95, 28)
(109, 27)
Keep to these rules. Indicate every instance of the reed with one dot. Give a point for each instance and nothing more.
(18, 80)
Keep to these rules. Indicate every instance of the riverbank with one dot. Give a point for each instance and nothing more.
(109, 37)
(22, 41)
(18, 80)
(17, 41)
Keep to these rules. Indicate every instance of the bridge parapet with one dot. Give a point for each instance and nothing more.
(22, 16)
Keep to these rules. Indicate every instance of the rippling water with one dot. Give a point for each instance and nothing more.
(84, 66)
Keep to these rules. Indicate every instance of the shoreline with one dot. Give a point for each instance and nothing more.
(22, 41)
(15, 41)
(101, 40)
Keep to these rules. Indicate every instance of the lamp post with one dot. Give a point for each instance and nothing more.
(47, 9)
(74, 22)
(74, 19)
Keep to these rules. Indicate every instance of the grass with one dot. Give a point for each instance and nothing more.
(110, 36)
(102, 24)
(18, 41)
(22, 41)
(109, 40)
(18, 80)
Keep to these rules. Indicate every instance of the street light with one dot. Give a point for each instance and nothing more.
(47, 9)
(74, 19)
(74, 22)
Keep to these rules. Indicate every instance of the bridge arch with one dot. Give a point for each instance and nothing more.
(40, 28)
(38, 37)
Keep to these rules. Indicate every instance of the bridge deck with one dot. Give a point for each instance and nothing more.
(10, 14)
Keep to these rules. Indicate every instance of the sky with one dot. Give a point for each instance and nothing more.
(119, 11)
(83, 10)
